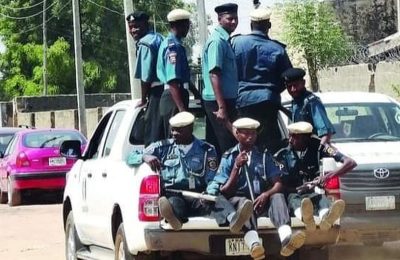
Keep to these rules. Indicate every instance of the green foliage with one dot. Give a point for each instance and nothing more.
(311, 27)
(396, 89)
(104, 49)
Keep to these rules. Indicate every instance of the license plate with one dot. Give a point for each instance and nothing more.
(236, 246)
(57, 161)
(380, 203)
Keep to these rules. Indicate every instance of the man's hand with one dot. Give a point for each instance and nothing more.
(142, 103)
(308, 186)
(221, 115)
(260, 202)
(153, 162)
(241, 159)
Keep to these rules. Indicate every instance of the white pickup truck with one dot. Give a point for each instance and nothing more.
(110, 206)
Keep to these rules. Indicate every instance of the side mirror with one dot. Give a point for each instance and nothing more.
(1, 155)
(71, 149)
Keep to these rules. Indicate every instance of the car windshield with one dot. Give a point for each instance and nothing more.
(365, 121)
(49, 139)
(5, 140)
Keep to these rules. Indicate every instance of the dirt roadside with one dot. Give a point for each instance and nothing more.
(33, 232)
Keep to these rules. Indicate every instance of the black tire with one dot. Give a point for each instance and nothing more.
(122, 252)
(121, 248)
(72, 241)
(3, 197)
(13, 195)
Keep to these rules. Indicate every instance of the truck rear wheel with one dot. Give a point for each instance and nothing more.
(121, 248)
(72, 242)
(122, 251)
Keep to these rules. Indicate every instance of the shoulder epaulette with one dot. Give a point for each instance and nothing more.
(280, 151)
(166, 142)
(228, 152)
(233, 37)
(280, 43)
(207, 145)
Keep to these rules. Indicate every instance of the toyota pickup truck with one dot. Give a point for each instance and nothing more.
(368, 130)
(110, 205)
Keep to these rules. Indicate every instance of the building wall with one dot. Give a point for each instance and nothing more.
(357, 77)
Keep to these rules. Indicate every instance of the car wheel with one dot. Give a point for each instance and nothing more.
(72, 242)
(3, 197)
(121, 248)
(14, 195)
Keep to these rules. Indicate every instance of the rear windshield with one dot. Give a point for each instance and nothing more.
(365, 121)
(49, 139)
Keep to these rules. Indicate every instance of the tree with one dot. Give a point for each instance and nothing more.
(312, 29)
(104, 48)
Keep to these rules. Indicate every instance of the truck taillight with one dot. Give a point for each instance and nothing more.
(332, 188)
(22, 160)
(333, 183)
(148, 198)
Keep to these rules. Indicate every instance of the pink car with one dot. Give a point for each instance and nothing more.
(32, 161)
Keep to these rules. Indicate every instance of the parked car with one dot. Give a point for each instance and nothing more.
(32, 161)
(110, 207)
(368, 130)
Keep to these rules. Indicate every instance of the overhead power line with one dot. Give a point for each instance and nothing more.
(20, 8)
(104, 7)
(40, 25)
(26, 17)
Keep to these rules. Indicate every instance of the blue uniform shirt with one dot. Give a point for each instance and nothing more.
(218, 53)
(309, 108)
(172, 63)
(146, 57)
(302, 168)
(263, 168)
(199, 163)
(260, 62)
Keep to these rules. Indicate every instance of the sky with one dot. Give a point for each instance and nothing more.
(245, 6)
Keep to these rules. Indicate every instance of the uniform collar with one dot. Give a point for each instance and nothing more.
(224, 34)
(302, 96)
(259, 33)
(173, 37)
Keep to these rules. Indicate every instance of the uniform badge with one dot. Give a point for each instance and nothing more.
(212, 164)
(172, 57)
(330, 151)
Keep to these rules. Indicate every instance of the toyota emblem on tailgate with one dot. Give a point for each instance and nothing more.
(381, 173)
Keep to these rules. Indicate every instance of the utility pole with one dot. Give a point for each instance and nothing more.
(44, 50)
(135, 85)
(78, 68)
(202, 20)
(398, 16)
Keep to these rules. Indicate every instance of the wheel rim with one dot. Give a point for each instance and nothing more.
(9, 189)
(71, 246)
(121, 252)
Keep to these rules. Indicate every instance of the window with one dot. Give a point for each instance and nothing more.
(119, 115)
(92, 150)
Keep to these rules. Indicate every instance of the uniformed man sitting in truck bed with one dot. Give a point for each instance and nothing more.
(301, 161)
(246, 173)
(186, 163)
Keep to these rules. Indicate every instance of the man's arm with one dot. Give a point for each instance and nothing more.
(229, 188)
(215, 77)
(263, 198)
(348, 165)
(174, 87)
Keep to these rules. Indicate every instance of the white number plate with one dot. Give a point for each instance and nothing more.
(380, 203)
(57, 161)
(236, 246)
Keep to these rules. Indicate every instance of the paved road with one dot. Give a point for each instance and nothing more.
(35, 232)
